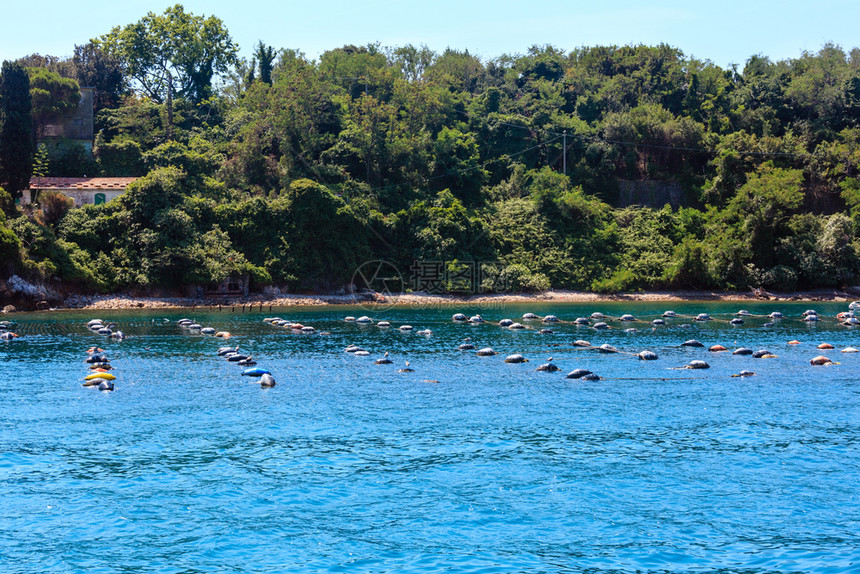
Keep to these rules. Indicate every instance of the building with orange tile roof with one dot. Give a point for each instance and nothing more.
(83, 190)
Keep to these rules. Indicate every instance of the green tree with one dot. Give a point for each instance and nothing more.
(65, 67)
(16, 129)
(172, 53)
(69, 158)
(10, 250)
(461, 70)
(52, 97)
(688, 268)
(326, 241)
(121, 157)
(836, 252)
(41, 162)
(7, 204)
(763, 205)
(354, 68)
(214, 259)
(265, 56)
(668, 142)
(442, 229)
(412, 61)
(281, 130)
(94, 68)
(541, 63)
(457, 165)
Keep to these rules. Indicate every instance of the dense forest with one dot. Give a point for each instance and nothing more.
(297, 171)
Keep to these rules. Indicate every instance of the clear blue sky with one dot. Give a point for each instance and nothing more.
(723, 32)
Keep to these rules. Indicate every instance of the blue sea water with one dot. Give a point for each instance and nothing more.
(467, 464)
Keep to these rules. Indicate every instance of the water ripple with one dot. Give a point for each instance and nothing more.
(347, 466)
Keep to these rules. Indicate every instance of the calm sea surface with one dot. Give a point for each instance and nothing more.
(467, 464)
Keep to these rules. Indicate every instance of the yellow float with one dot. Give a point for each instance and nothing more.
(107, 376)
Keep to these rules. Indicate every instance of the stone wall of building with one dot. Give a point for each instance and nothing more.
(88, 196)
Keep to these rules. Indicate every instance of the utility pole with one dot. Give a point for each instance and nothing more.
(564, 154)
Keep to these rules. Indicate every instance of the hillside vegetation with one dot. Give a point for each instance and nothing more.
(297, 171)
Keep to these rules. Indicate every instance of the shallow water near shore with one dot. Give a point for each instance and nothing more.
(467, 464)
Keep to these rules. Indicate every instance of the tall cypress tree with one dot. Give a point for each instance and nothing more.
(265, 55)
(16, 129)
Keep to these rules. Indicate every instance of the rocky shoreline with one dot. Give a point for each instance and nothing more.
(128, 301)
(19, 295)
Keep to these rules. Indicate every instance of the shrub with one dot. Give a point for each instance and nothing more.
(68, 158)
(10, 247)
(7, 204)
(688, 267)
(835, 248)
(120, 158)
(54, 206)
(519, 278)
(621, 280)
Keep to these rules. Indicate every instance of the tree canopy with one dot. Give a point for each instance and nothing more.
(602, 167)
(16, 129)
(52, 96)
(174, 52)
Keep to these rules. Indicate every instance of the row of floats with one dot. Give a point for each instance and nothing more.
(197, 327)
(101, 378)
(598, 320)
(232, 354)
(290, 325)
(98, 363)
(106, 329)
(99, 366)
(645, 355)
(385, 324)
